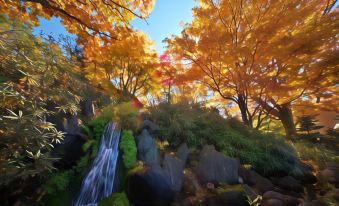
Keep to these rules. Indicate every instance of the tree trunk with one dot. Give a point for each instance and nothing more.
(286, 118)
(243, 110)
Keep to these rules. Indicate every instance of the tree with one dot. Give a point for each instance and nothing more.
(308, 124)
(82, 17)
(125, 67)
(261, 55)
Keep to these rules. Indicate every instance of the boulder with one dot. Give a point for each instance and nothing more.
(313, 203)
(216, 168)
(261, 184)
(72, 125)
(87, 108)
(182, 153)
(151, 127)
(330, 174)
(274, 198)
(231, 198)
(272, 202)
(149, 187)
(288, 183)
(147, 149)
(174, 168)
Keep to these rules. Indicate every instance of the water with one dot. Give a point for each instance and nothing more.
(98, 183)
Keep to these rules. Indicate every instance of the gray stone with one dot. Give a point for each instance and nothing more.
(173, 168)
(149, 187)
(216, 168)
(147, 149)
(182, 153)
(150, 126)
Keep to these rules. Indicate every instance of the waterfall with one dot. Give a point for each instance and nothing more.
(98, 183)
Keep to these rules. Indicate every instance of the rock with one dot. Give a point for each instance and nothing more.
(272, 202)
(173, 168)
(288, 183)
(182, 153)
(306, 176)
(244, 174)
(232, 198)
(261, 184)
(271, 197)
(151, 127)
(72, 125)
(87, 108)
(147, 149)
(330, 174)
(216, 168)
(149, 187)
(313, 203)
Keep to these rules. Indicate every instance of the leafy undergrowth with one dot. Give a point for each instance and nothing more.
(267, 153)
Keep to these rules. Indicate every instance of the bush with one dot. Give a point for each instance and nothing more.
(128, 149)
(127, 115)
(192, 123)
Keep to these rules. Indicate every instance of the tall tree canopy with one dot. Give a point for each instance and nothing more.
(80, 17)
(126, 67)
(262, 55)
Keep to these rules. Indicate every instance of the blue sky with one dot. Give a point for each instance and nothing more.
(163, 22)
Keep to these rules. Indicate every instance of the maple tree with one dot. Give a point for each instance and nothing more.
(124, 67)
(262, 55)
(82, 17)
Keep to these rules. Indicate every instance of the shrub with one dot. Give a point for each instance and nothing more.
(319, 154)
(58, 182)
(128, 149)
(127, 115)
(198, 126)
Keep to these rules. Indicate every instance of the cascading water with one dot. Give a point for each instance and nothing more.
(98, 183)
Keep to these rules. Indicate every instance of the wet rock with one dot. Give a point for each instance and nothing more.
(149, 187)
(216, 168)
(147, 149)
(173, 168)
(261, 184)
(274, 198)
(288, 183)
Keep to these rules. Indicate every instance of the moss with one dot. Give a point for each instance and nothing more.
(98, 124)
(116, 199)
(128, 149)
